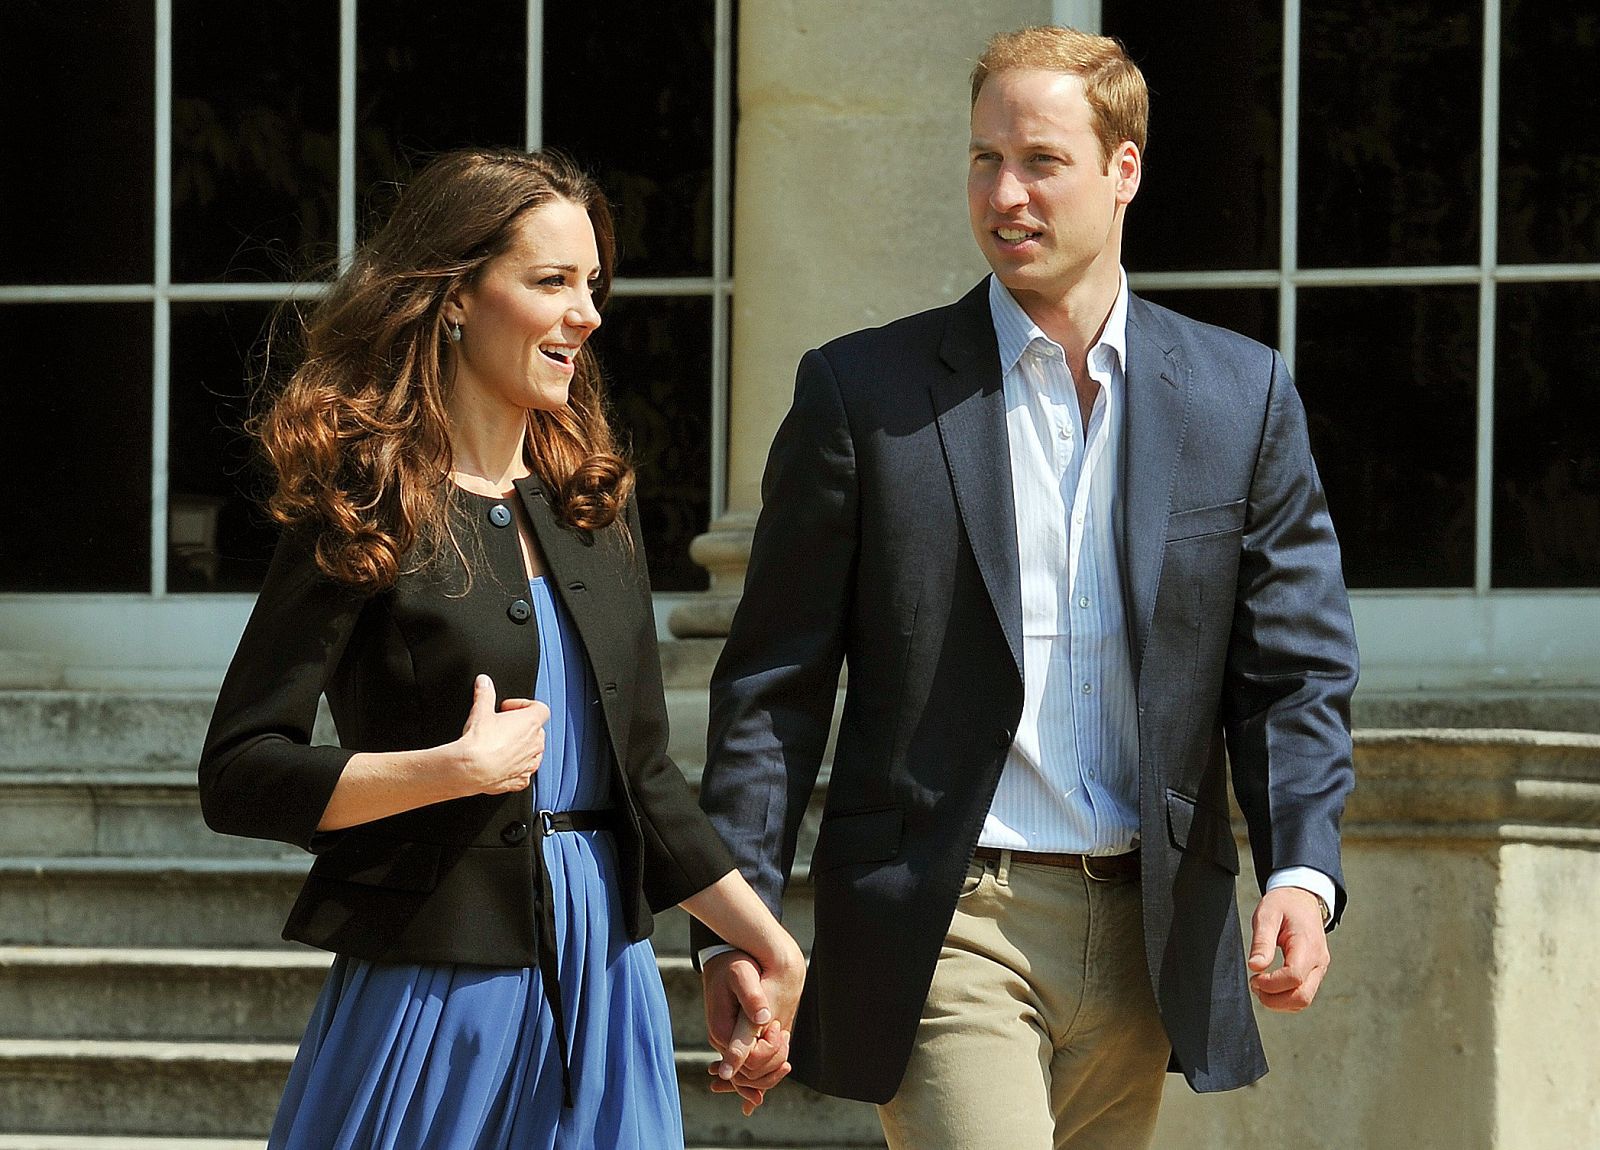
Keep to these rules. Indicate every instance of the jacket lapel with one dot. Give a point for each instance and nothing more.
(1154, 424)
(586, 573)
(970, 408)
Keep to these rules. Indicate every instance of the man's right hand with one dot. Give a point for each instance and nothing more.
(748, 1016)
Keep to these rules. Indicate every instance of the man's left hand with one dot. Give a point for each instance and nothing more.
(1288, 919)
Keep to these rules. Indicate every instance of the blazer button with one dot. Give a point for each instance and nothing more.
(514, 833)
(1002, 738)
(519, 611)
(500, 515)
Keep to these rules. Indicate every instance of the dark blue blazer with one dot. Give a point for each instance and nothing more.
(888, 541)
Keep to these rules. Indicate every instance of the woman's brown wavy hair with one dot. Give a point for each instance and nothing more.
(357, 439)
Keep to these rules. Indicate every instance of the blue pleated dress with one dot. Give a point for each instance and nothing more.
(401, 1056)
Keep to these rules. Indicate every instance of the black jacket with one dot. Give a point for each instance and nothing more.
(454, 881)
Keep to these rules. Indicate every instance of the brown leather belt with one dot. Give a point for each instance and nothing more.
(1100, 868)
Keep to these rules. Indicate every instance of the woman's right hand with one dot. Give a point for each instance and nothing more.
(501, 748)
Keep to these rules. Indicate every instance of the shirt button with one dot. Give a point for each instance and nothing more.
(1078, 519)
(1083, 600)
(1087, 688)
(500, 515)
(519, 611)
(1065, 433)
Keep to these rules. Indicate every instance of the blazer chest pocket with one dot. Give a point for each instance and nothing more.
(395, 864)
(1198, 828)
(858, 837)
(1197, 522)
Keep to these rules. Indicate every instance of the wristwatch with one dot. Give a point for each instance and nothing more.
(1322, 908)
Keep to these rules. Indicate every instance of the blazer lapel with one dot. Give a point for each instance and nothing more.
(970, 409)
(1154, 423)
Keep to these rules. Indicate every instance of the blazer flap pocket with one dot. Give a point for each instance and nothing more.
(398, 864)
(1212, 520)
(858, 837)
(1201, 829)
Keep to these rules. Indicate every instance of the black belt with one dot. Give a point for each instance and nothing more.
(554, 822)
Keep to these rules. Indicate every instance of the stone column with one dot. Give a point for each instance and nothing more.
(1460, 1009)
(850, 210)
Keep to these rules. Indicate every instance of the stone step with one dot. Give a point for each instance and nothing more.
(688, 663)
(230, 1090)
(166, 994)
(205, 903)
(81, 730)
(217, 1089)
(115, 814)
(146, 902)
(178, 995)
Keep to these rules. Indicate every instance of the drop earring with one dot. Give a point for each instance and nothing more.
(455, 332)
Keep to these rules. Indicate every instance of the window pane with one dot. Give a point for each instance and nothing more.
(1251, 312)
(648, 140)
(255, 153)
(1211, 190)
(431, 77)
(78, 85)
(656, 354)
(75, 426)
(1389, 378)
(1549, 133)
(218, 539)
(1547, 436)
(1390, 114)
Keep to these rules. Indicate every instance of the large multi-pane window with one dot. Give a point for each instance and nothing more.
(177, 169)
(1406, 199)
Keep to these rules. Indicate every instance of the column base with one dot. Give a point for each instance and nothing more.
(724, 551)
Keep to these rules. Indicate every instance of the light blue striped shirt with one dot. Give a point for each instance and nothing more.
(1071, 778)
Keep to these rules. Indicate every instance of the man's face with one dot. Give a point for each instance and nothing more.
(1046, 208)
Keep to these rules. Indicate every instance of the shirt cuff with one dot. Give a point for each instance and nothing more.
(1304, 877)
(707, 953)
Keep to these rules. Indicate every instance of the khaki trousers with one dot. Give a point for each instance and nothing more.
(1040, 1031)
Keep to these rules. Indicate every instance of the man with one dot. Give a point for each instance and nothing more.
(1071, 545)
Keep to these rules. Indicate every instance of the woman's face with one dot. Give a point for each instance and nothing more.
(528, 313)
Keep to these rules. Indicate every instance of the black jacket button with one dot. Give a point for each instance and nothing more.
(519, 611)
(514, 833)
(1002, 738)
(500, 515)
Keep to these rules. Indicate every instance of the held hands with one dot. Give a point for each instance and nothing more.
(501, 749)
(1289, 919)
(748, 1015)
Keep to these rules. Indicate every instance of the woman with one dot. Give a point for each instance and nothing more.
(461, 573)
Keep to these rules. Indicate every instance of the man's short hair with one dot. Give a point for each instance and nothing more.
(1112, 83)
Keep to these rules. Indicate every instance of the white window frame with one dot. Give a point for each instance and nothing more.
(184, 639)
(1478, 637)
